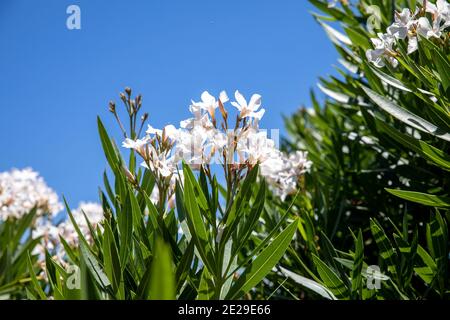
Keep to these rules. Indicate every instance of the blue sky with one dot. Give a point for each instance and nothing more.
(55, 81)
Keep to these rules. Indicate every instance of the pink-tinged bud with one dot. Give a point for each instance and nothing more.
(131, 178)
(223, 111)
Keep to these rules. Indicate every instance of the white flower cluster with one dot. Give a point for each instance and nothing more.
(201, 141)
(410, 25)
(282, 172)
(23, 190)
(51, 232)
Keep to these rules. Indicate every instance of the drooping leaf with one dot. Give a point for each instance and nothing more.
(406, 116)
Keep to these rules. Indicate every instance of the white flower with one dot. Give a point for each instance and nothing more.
(139, 145)
(249, 110)
(50, 241)
(425, 29)
(440, 12)
(407, 26)
(383, 51)
(161, 164)
(255, 147)
(282, 171)
(208, 104)
(153, 131)
(198, 109)
(299, 162)
(404, 27)
(93, 211)
(50, 233)
(22, 190)
(218, 139)
(403, 22)
(413, 45)
(171, 132)
(201, 139)
(192, 146)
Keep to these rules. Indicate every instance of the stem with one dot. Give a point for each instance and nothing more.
(120, 125)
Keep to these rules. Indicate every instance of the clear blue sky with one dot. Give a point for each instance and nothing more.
(55, 81)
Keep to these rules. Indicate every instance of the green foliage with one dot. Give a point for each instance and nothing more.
(222, 252)
(380, 148)
(15, 245)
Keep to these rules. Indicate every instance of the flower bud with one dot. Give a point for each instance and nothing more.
(139, 101)
(112, 107)
(133, 107)
(129, 175)
(223, 111)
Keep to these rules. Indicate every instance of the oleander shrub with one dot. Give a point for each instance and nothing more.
(376, 207)
(355, 205)
(170, 229)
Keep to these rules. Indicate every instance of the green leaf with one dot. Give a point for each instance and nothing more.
(437, 239)
(111, 257)
(390, 80)
(387, 251)
(335, 36)
(406, 116)
(162, 283)
(358, 37)
(37, 287)
(251, 219)
(422, 198)
(75, 225)
(125, 224)
(263, 263)
(184, 265)
(334, 12)
(196, 224)
(443, 67)
(358, 264)
(242, 197)
(331, 280)
(206, 287)
(429, 152)
(110, 152)
(94, 268)
(309, 284)
(24, 224)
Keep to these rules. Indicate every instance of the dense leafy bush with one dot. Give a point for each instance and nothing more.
(379, 188)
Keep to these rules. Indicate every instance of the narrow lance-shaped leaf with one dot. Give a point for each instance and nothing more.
(358, 264)
(406, 116)
(310, 284)
(387, 251)
(422, 198)
(330, 279)
(263, 263)
(162, 283)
